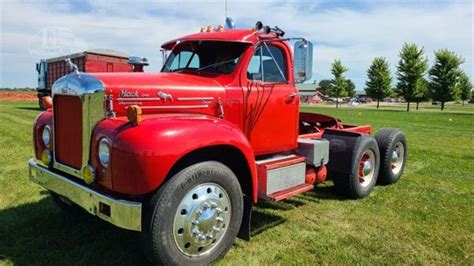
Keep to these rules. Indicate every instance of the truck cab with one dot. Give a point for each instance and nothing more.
(182, 155)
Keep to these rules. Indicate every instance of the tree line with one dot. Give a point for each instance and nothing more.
(416, 82)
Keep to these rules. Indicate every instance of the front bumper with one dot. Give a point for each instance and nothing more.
(121, 213)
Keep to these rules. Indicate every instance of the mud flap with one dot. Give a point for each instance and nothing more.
(341, 150)
(244, 232)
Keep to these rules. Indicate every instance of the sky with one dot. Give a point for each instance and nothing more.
(352, 31)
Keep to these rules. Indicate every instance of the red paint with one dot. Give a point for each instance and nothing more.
(310, 175)
(321, 174)
(316, 175)
(143, 155)
(361, 167)
(43, 119)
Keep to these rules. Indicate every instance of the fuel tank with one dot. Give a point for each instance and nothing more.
(162, 92)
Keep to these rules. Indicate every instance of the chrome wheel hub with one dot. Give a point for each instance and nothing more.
(201, 219)
(367, 168)
(397, 159)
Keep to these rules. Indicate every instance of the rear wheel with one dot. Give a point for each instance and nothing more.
(194, 217)
(364, 170)
(393, 151)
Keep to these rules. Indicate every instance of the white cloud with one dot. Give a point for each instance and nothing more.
(353, 34)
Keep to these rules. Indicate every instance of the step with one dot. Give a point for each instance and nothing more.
(281, 176)
(287, 193)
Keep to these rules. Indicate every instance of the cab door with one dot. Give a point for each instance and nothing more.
(270, 104)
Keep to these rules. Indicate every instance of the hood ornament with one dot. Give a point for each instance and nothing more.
(73, 66)
(165, 96)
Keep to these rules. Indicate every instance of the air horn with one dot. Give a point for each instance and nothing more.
(267, 29)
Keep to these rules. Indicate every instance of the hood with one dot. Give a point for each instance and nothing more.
(163, 92)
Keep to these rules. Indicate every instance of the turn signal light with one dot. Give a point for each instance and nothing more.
(47, 102)
(46, 157)
(134, 114)
(88, 174)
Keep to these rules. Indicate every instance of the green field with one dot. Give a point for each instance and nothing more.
(426, 218)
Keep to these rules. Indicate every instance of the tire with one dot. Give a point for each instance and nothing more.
(364, 170)
(66, 205)
(393, 151)
(181, 223)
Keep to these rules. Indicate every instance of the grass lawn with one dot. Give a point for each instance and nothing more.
(426, 218)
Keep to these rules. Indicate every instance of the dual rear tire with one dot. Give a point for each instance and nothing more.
(380, 159)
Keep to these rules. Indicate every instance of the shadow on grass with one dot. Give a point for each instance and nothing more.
(39, 233)
(262, 221)
(324, 192)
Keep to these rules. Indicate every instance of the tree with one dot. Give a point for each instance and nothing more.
(325, 85)
(378, 84)
(411, 68)
(422, 93)
(339, 82)
(444, 75)
(464, 86)
(351, 88)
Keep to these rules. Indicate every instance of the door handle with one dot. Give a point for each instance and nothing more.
(291, 97)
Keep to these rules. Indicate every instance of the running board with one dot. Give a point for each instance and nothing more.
(282, 177)
(290, 192)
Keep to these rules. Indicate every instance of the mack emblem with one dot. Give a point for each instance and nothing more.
(186, 175)
(129, 94)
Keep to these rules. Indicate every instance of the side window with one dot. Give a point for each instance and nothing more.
(268, 65)
(183, 58)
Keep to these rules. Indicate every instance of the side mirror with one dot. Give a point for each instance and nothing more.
(303, 61)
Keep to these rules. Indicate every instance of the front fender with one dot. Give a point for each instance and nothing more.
(143, 155)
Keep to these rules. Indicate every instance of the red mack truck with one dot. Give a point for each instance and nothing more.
(182, 155)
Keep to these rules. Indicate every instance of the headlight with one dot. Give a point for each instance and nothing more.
(46, 136)
(104, 152)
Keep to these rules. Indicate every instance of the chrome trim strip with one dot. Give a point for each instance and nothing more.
(160, 99)
(91, 92)
(176, 107)
(123, 213)
(195, 98)
(139, 99)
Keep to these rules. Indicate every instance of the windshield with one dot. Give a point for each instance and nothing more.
(217, 57)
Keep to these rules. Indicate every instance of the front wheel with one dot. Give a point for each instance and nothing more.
(194, 217)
